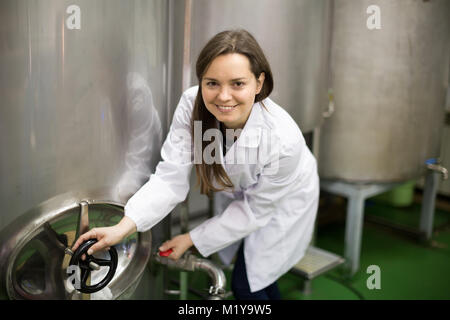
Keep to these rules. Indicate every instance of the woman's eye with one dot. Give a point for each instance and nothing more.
(211, 83)
(239, 84)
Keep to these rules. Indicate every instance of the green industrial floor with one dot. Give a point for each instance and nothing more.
(409, 268)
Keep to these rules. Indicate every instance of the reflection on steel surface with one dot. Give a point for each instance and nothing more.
(82, 118)
(389, 91)
(294, 35)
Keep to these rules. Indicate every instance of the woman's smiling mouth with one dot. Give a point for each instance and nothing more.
(225, 108)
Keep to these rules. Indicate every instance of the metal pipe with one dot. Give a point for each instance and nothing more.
(83, 219)
(216, 274)
(440, 169)
(186, 74)
(189, 262)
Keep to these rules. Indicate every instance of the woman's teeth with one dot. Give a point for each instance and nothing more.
(225, 107)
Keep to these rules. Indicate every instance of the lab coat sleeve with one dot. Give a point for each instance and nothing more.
(169, 185)
(257, 207)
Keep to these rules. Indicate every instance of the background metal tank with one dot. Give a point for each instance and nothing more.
(82, 117)
(294, 37)
(389, 89)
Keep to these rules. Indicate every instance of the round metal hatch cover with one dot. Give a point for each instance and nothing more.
(34, 264)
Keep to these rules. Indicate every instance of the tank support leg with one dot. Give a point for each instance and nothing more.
(428, 204)
(353, 231)
(356, 195)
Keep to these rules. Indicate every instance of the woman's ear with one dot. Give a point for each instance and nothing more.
(260, 82)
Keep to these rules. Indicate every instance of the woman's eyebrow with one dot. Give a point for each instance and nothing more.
(236, 79)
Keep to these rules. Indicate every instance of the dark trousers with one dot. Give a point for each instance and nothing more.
(241, 288)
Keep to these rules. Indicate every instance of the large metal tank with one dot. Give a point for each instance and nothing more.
(82, 118)
(389, 89)
(294, 35)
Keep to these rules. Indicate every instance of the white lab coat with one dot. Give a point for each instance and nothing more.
(274, 203)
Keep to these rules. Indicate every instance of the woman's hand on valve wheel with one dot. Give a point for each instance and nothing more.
(107, 236)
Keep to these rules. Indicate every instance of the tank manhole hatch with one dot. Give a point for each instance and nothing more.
(315, 262)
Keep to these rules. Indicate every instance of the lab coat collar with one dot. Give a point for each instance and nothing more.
(251, 133)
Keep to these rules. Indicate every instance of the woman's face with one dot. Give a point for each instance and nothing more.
(229, 89)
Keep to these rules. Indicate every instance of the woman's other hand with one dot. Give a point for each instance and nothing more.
(107, 236)
(178, 244)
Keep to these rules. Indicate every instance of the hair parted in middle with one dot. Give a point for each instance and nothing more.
(226, 42)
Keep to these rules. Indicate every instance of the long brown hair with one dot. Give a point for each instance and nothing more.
(230, 41)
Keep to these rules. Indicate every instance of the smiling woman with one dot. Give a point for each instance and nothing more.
(269, 206)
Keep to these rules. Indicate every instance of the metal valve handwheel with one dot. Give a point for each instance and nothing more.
(86, 266)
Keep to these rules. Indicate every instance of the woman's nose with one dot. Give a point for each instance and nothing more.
(224, 94)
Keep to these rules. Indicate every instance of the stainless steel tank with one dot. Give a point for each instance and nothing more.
(294, 35)
(82, 118)
(389, 89)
